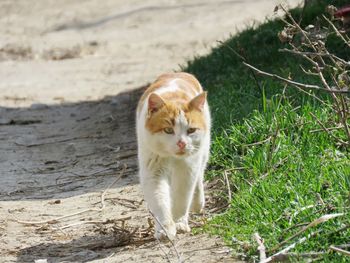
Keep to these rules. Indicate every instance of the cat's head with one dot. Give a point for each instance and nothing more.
(176, 129)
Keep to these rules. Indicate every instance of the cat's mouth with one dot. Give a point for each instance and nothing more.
(182, 152)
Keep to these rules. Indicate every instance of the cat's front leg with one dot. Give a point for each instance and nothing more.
(156, 191)
(198, 201)
(183, 184)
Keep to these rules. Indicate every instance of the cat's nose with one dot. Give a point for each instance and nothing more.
(181, 144)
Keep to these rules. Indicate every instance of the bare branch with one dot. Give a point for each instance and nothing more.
(290, 256)
(294, 83)
(308, 72)
(312, 95)
(94, 222)
(336, 30)
(228, 187)
(339, 250)
(344, 246)
(303, 32)
(258, 143)
(327, 131)
(285, 250)
(317, 221)
(304, 53)
(243, 58)
(343, 115)
(261, 247)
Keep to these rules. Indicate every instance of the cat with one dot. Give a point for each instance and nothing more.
(173, 134)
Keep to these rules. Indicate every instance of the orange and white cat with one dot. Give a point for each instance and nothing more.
(173, 133)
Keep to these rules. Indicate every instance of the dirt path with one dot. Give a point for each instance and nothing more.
(58, 160)
(67, 122)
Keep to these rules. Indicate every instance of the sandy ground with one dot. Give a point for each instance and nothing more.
(68, 72)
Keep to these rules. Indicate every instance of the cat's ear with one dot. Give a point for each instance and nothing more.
(198, 101)
(155, 102)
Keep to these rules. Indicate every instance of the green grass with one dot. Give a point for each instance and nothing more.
(290, 172)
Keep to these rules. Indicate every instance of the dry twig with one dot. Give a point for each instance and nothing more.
(285, 250)
(228, 187)
(258, 143)
(344, 246)
(295, 83)
(95, 222)
(327, 131)
(336, 30)
(296, 256)
(170, 240)
(243, 58)
(339, 250)
(261, 246)
(305, 53)
(316, 222)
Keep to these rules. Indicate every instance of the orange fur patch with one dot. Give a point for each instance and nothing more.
(175, 101)
(196, 119)
(186, 82)
(163, 118)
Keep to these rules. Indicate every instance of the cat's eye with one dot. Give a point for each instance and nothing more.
(191, 130)
(169, 130)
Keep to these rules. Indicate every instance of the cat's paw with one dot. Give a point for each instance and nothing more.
(182, 227)
(166, 231)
